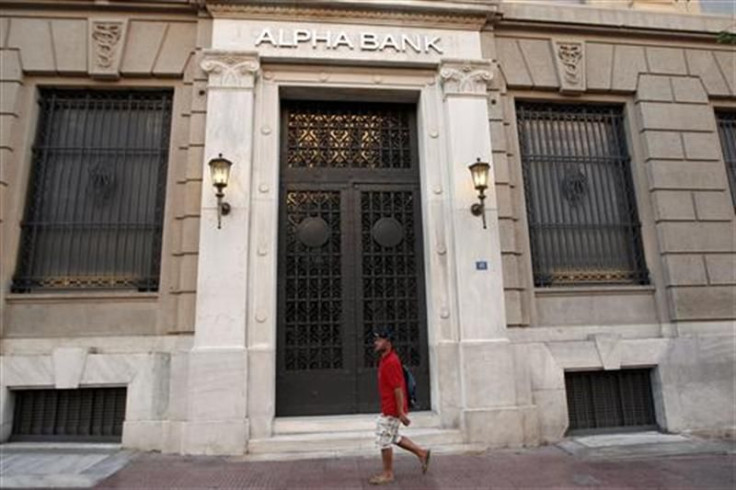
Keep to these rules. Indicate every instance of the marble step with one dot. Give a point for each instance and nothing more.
(345, 423)
(347, 443)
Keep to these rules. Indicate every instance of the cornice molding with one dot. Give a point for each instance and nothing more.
(359, 13)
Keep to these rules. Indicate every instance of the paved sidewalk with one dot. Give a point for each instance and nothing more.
(548, 467)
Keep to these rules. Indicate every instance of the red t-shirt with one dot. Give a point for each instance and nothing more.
(390, 377)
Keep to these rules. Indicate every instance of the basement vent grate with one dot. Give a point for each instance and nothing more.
(81, 415)
(610, 400)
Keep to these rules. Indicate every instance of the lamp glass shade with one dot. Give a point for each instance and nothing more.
(220, 171)
(479, 171)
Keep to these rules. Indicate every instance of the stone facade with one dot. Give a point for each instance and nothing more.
(198, 357)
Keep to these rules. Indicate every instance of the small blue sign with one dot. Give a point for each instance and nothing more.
(481, 265)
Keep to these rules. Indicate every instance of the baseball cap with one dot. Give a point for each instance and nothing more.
(384, 333)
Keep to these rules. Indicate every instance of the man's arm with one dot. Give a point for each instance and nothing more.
(399, 395)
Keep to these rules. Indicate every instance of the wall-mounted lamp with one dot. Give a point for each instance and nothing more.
(479, 171)
(220, 172)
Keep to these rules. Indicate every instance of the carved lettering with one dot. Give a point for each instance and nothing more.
(365, 41)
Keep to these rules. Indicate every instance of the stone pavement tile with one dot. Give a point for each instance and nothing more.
(703, 472)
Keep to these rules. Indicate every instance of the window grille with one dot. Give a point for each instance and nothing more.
(87, 414)
(95, 201)
(583, 222)
(610, 399)
(727, 131)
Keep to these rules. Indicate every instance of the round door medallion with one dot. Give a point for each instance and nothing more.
(387, 232)
(313, 232)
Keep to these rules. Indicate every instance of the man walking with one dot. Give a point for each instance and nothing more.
(394, 409)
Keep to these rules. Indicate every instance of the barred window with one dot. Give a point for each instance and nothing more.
(95, 201)
(727, 131)
(583, 223)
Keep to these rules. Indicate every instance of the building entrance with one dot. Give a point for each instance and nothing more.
(350, 254)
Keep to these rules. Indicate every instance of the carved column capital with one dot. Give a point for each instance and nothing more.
(105, 46)
(570, 59)
(465, 77)
(231, 69)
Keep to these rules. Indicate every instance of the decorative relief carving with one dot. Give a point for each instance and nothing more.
(106, 36)
(106, 44)
(466, 77)
(570, 66)
(231, 69)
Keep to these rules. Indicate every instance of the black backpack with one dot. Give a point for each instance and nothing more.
(411, 387)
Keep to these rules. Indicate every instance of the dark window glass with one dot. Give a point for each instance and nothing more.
(95, 203)
(583, 222)
(727, 131)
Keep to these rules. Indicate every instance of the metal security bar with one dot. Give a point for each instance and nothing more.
(610, 399)
(727, 131)
(87, 414)
(95, 204)
(583, 222)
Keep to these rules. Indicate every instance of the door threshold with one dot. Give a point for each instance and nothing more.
(345, 423)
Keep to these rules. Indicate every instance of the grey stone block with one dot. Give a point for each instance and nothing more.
(628, 62)
(689, 90)
(4, 28)
(599, 64)
(539, 59)
(176, 50)
(33, 38)
(676, 117)
(702, 63)
(511, 63)
(10, 69)
(654, 88)
(142, 47)
(686, 175)
(663, 145)
(727, 62)
(702, 146)
(685, 270)
(721, 268)
(704, 303)
(696, 237)
(9, 92)
(669, 61)
(70, 45)
(713, 206)
(673, 205)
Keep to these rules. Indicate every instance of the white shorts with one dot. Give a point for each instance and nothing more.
(387, 431)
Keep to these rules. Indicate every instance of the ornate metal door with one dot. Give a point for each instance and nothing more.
(350, 254)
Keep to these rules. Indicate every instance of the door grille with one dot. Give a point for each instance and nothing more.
(87, 414)
(610, 399)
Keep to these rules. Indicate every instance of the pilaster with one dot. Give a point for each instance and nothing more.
(217, 396)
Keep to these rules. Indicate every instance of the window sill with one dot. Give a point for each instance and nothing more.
(593, 290)
(81, 297)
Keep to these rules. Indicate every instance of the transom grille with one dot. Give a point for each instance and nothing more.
(347, 136)
(727, 132)
(88, 414)
(96, 196)
(610, 399)
(583, 222)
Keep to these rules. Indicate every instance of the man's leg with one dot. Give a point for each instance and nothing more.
(419, 452)
(387, 455)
